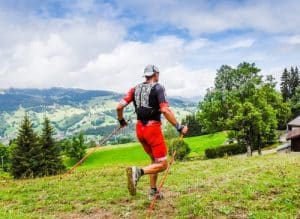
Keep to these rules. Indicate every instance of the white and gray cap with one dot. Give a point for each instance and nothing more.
(150, 70)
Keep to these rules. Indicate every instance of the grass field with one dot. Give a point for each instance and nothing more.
(133, 153)
(200, 143)
(259, 187)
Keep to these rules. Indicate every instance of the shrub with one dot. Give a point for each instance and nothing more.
(221, 151)
(75, 149)
(181, 147)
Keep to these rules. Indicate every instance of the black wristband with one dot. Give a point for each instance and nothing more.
(179, 127)
(122, 122)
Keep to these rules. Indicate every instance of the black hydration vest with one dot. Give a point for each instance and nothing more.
(146, 103)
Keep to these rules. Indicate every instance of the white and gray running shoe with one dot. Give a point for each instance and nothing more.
(133, 175)
(154, 193)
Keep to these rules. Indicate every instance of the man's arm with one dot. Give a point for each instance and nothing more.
(169, 115)
(120, 109)
(166, 111)
(123, 103)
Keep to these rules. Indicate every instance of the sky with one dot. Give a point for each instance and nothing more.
(105, 45)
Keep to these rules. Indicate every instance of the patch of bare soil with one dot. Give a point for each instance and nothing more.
(94, 214)
(165, 208)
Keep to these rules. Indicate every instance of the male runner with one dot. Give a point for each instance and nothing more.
(150, 102)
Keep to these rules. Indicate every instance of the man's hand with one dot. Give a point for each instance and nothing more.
(122, 122)
(182, 129)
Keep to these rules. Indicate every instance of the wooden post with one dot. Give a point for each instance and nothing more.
(249, 152)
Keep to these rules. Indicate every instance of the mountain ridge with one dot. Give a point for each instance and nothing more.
(49, 96)
(70, 110)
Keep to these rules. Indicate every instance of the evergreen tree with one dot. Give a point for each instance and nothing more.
(295, 103)
(285, 85)
(27, 155)
(52, 162)
(289, 82)
(294, 83)
(297, 72)
(4, 157)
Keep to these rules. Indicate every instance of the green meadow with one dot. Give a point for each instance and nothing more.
(265, 186)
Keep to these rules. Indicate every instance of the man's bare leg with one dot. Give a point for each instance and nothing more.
(134, 173)
(153, 177)
(153, 180)
(155, 168)
(153, 171)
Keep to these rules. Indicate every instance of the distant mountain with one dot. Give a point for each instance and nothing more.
(195, 99)
(12, 99)
(70, 110)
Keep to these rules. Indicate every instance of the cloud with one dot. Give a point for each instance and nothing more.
(200, 17)
(125, 64)
(182, 81)
(122, 68)
(47, 52)
(293, 40)
(89, 44)
(243, 43)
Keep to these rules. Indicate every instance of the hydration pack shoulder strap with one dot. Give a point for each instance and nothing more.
(142, 94)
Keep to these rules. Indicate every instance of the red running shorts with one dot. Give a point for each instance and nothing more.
(152, 139)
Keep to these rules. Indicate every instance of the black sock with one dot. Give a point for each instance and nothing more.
(154, 189)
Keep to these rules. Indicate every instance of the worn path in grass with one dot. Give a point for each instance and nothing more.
(258, 187)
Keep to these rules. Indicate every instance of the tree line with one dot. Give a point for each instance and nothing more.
(32, 155)
(247, 104)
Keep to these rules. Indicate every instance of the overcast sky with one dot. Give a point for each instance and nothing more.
(105, 45)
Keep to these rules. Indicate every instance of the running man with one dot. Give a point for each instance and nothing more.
(150, 102)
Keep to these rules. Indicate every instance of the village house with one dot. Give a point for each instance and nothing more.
(293, 135)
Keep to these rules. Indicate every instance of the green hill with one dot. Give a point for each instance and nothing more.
(70, 111)
(258, 187)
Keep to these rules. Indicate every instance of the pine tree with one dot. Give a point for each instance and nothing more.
(294, 83)
(27, 155)
(4, 157)
(52, 162)
(285, 85)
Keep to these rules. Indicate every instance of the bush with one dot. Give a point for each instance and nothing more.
(181, 147)
(221, 151)
(75, 149)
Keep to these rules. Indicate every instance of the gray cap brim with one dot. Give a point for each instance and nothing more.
(150, 70)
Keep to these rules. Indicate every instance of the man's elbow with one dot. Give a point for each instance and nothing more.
(165, 110)
(120, 107)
